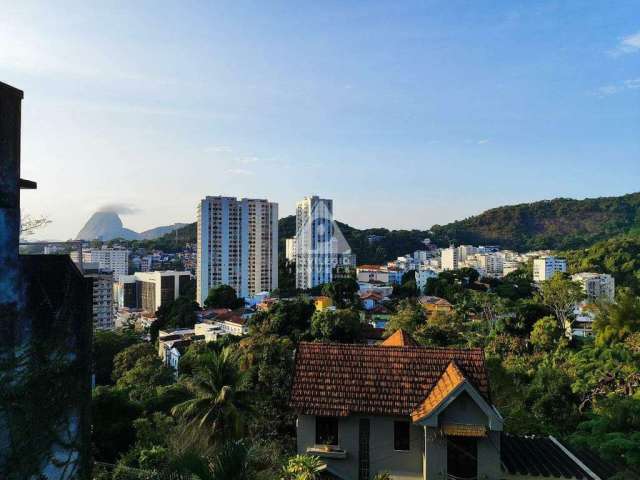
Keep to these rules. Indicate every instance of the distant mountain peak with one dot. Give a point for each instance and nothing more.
(107, 226)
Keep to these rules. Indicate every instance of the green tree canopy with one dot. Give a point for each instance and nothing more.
(106, 344)
(545, 334)
(409, 317)
(342, 291)
(336, 326)
(223, 296)
(219, 405)
(561, 295)
(616, 321)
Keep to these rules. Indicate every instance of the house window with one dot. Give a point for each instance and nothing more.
(326, 431)
(401, 436)
(462, 457)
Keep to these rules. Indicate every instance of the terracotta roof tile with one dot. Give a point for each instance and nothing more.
(339, 379)
(450, 379)
(399, 339)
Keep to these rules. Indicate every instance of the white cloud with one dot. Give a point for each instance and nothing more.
(632, 83)
(607, 90)
(239, 171)
(628, 44)
(218, 149)
(483, 141)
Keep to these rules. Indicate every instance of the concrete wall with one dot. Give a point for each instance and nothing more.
(407, 465)
(403, 465)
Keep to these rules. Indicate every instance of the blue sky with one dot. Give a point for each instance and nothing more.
(405, 113)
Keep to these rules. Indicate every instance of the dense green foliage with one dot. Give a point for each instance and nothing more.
(618, 256)
(223, 296)
(557, 224)
(228, 413)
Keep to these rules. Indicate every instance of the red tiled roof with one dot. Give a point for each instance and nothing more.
(379, 309)
(450, 379)
(341, 379)
(231, 317)
(400, 338)
(370, 267)
(371, 294)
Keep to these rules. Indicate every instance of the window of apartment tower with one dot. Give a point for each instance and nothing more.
(462, 457)
(401, 436)
(326, 431)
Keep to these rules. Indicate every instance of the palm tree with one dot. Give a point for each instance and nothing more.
(302, 467)
(220, 404)
(233, 459)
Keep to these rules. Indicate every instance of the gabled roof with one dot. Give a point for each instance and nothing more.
(371, 294)
(450, 379)
(341, 379)
(399, 339)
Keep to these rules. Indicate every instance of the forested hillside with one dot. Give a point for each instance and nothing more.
(618, 256)
(556, 224)
(560, 224)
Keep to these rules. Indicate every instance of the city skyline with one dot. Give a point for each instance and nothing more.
(447, 111)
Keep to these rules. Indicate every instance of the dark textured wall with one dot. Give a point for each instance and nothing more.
(45, 340)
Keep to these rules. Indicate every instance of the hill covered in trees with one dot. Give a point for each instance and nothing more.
(561, 223)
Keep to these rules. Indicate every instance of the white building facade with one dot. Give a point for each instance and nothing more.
(290, 249)
(544, 268)
(237, 245)
(115, 260)
(449, 258)
(315, 247)
(102, 300)
(596, 285)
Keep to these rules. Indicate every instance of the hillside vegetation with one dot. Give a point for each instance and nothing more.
(555, 224)
(560, 224)
(618, 256)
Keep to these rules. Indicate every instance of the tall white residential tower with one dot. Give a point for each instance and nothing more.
(237, 245)
(315, 242)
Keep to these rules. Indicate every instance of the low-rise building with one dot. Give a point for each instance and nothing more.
(322, 302)
(596, 286)
(434, 305)
(423, 274)
(370, 300)
(149, 290)
(382, 289)
(433, 419)
(372, 273)
(232, 324)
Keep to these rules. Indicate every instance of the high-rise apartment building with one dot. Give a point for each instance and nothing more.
(315, 242)
(115, 260)
(546, 267)
(237, 245)
(449, 258)
(103, 307)
(596, 285)
(290, 249)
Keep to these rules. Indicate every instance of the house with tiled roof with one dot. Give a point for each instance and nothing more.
(417, 413)
(433, 304)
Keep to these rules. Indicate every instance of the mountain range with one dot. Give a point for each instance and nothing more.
(107, 226)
